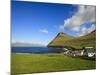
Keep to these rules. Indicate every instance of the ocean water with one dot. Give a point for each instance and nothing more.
(35, 50)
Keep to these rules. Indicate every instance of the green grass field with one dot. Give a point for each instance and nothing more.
(36, 63)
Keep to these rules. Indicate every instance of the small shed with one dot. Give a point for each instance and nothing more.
(89, 51)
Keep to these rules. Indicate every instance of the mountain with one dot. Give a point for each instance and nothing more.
(23, 44)
(60, 40)
(63, 40)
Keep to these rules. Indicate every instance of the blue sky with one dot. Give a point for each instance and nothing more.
(40, 22)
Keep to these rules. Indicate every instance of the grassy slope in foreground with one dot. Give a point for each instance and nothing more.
(87, 40)
(36, 63)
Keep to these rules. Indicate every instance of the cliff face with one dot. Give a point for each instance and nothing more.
(64, 40)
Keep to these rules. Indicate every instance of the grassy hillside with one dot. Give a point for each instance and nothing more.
(87, 40)
(60, 40)
(79, 42)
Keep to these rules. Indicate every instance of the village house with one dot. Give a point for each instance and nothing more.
(89, 51)
(86, 51)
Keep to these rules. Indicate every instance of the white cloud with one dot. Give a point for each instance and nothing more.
(85, 30)
(84, 14)
(76, 28)
(92, 28)
(44, 31)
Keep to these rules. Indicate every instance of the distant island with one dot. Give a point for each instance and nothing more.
(25, 44)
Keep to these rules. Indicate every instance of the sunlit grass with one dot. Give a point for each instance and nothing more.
(35, 63)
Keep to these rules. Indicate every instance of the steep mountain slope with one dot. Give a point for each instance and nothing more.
(79, 42)
(60, 40)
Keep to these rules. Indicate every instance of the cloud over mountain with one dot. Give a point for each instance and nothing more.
(85, 30)
(85, 14)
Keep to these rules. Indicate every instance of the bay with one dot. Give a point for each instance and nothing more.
(35, 50)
